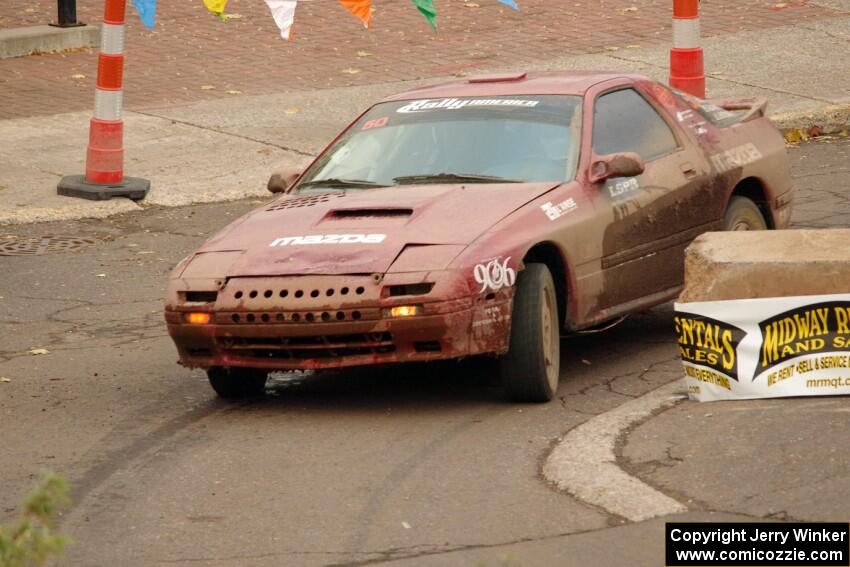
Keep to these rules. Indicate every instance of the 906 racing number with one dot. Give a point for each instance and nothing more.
(494, 275)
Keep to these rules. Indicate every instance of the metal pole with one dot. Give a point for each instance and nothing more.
(66, 14)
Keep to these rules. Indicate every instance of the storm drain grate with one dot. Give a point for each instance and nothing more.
(38, 245)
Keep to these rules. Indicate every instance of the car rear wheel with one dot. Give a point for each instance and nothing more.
(237, 383)
(531, 368)
(743, 214)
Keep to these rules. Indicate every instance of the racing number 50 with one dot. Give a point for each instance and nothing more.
(376, 123)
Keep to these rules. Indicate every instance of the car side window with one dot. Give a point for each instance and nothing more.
(624, 122)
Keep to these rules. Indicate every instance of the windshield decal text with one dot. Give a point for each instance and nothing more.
(457, 103)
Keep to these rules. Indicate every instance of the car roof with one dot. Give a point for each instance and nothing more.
(518, 83)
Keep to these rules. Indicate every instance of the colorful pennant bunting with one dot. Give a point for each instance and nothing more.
(147, 11)
(360, 8)
(216, 7)
(283, 11)
(428, 10)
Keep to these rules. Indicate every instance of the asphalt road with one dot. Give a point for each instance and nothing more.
(410, 466)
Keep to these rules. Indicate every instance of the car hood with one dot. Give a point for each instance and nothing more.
(338, 223)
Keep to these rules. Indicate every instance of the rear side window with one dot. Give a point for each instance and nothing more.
(624, 122)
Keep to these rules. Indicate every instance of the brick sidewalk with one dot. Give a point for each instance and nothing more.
(191, 51)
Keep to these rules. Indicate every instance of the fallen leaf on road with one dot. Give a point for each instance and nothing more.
(78, 76)
(100, 275)
(796, 135)
(363, 54)
(815, 131)
(472, 5)
(226, 17)
(585, 361)
(37, 351)
(145, 252)
(405, 525)
(234, 92)
(843, 134)
(207, 88)
(293, 110)
(633, 46)
(350, 71)
(4, 379)
(612, 48)
(629, 9)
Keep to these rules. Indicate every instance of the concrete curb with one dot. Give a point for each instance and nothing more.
(830, 118)
(584, 463)
(18, 42)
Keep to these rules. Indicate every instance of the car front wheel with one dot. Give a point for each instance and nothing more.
(743, 214)
(237, 383)
(531, 368)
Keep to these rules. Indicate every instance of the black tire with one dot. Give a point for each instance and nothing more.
(237, 383)
(743, 214)
(531, 368)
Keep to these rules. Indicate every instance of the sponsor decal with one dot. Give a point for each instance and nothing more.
(494, 275)
(710, 343)
(329, 239)
(809, 329)
(492, 314)
(694, 120)
(557, 211)
(458, 103)
(738, 156)
(765, 348)
(619, 188)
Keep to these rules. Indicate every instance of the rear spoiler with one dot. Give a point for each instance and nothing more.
(755, 107)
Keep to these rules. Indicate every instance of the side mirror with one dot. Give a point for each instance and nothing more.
(626, 164)
(283, 180)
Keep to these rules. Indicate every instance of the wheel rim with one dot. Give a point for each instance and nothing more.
(551, 339)
(741, 224)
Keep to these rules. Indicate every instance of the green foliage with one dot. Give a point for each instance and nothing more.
(30, 540)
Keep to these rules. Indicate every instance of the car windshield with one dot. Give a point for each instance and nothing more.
(454, 140)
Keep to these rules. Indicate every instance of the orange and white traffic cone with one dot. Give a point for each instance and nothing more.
(686, 63)
(104, 176)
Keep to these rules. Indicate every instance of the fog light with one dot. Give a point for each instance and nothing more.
(198, 318)
(403, 311)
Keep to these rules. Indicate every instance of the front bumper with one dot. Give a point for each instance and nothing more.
(307, 322)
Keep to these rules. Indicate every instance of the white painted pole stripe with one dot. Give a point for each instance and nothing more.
(112, 39)
(686, 33)
(108, 104)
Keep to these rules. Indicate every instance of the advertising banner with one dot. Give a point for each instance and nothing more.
(765, 348)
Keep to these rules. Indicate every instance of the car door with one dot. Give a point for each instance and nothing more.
(650, 218)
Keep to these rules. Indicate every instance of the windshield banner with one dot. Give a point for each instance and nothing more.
(765, 348)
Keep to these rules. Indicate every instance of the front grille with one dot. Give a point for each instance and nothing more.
(301, 348)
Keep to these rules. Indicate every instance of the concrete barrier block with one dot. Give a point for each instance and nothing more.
(753, 264)
(17, 42)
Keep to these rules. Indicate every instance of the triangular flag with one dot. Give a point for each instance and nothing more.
(216, 7)
(360, 8)
(147, 11)
(428, 10)
(511, 3)
(283, 12)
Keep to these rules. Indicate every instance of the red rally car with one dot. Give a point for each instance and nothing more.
(484, 216)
